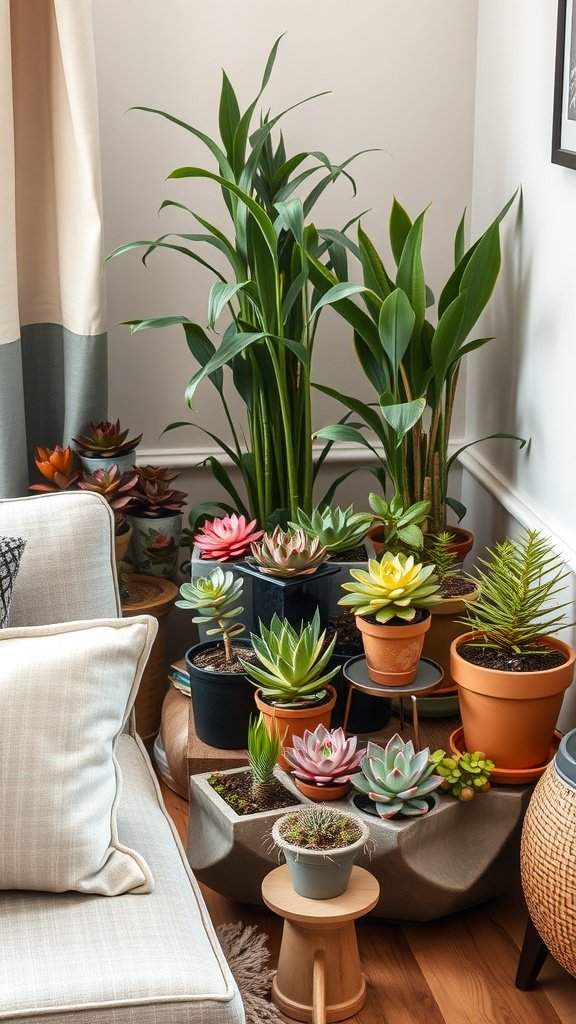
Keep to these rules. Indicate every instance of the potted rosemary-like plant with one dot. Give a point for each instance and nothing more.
(511, 669)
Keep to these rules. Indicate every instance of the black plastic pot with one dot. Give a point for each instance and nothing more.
(295, 599)
(367, 713)
(222, 701)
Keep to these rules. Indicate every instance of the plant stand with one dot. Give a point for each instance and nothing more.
(148, 595)
(319, 977)
(428, 677)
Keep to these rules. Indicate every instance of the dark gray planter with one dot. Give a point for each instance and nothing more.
(295, 599)
(222, 701)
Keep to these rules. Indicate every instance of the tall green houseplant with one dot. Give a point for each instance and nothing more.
(412, 362)
(267, 295)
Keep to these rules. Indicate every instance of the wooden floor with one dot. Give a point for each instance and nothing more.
(459, 970)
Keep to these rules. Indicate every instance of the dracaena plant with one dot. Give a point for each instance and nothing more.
(518, 605)
(412, 362)
(266, 292)
(215, 598)
(336, 529)
(293, 664)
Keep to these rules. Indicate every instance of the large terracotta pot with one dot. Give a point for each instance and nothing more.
(294, 721)
(444, 629)
(511, 716)
(393, 651)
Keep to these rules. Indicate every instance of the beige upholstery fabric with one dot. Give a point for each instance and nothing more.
(72, 959)
(67, 569)
(65, 694)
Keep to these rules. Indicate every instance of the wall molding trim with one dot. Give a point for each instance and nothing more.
(526, 512)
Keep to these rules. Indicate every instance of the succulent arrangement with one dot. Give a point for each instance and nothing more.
(105, 439)
(215, 598)
(394, 587)
(463, 775)
(227, 538)
(337, 529)
(397, 779)
(521, 579)
(115, 487)
(152, 496)
(294, 663)
(401, 526)
(264, 748)
(319, 828)
(58, 465)
(290, 553)
(324, 757)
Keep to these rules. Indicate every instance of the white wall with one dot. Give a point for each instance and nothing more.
(524, 382)
(402, 77)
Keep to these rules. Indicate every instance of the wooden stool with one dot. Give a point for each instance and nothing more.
(319, 977)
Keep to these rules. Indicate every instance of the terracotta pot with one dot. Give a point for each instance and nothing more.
(393, 651)
(511, 716)
(376, 535)
(443, 630)
(320, 793)
(462, 543)
(294, 721)
(121, 542)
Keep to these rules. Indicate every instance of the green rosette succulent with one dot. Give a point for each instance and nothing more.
(215, 598)
(293, 663)
(396, 778)
(394, 587)
(337, 529)
(463, 775)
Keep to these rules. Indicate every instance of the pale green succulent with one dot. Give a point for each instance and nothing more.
(215, 597)
(393, 587)
(264, 746)
(463, 775)
(396, 778)
(293, 663)
(337, 529)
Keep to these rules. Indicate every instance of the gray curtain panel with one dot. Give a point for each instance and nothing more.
(53, 353)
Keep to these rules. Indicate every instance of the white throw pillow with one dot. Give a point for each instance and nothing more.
(66, 692)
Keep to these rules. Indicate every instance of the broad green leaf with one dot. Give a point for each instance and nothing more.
(220, 295)
(225, 168)
(489, 437)
(366, 413)
(375, 276)
(456, 507)
(243, 128)
(231, 346)
(401, 415)
(283, 172)
(291, 216)
(159, 244)
(154, 322)
(479, 278)
(400, 224)
(228, 116)
(335, 294)
(343, 432)
(472, 345)
(202, 349)
(447, 337)
(293, 293)
(395, 326)
(459, 243)
(331, 235)
(322, 279)
(410, 275)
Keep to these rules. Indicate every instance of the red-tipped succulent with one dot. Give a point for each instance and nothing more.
(226, 539)
(57, 465)
(105, 439)
(153, 497)
(115, 486)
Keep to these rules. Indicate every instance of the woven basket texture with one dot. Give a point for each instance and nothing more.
(548, 866)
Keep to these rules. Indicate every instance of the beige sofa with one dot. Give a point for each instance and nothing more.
(130, 959)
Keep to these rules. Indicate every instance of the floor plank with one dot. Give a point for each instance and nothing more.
(458, 970)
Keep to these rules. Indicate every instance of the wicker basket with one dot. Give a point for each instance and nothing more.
(548, 855)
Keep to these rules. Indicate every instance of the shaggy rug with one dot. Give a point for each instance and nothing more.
(248, 956)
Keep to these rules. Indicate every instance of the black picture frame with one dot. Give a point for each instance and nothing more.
(561, 154)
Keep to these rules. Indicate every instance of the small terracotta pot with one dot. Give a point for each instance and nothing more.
(320, 793)
(295, 721)
(121, 542)
(443, 630)
(462, 543)
(511, 716)
(393, 651)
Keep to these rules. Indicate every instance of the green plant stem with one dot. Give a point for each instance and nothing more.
(279, 372)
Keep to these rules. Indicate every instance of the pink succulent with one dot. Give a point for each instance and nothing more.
(323, 756)
(223, 540)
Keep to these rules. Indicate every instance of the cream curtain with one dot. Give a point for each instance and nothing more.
(52, 315)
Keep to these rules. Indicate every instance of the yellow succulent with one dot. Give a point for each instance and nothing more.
(394, 587)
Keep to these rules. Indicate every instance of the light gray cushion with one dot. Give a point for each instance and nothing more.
(129, 960)
(65, 695)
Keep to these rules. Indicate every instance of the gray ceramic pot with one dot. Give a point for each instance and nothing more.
(316, 874)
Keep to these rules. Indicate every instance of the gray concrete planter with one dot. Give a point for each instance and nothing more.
(457, 856)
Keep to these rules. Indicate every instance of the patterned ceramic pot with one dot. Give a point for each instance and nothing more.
(155, 544)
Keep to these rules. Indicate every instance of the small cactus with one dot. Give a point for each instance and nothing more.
(463, 775)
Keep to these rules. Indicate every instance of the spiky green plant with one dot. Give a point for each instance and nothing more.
(394, 587)
(402, 526)
(293, 663)
(264, 748)
(337, 529)
(464, 774)
(396, 778)
(438, 551)
(215, 597)
(319, 828)
(518, 602)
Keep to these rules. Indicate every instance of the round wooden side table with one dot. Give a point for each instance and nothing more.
(150, 595)
(319, 978)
